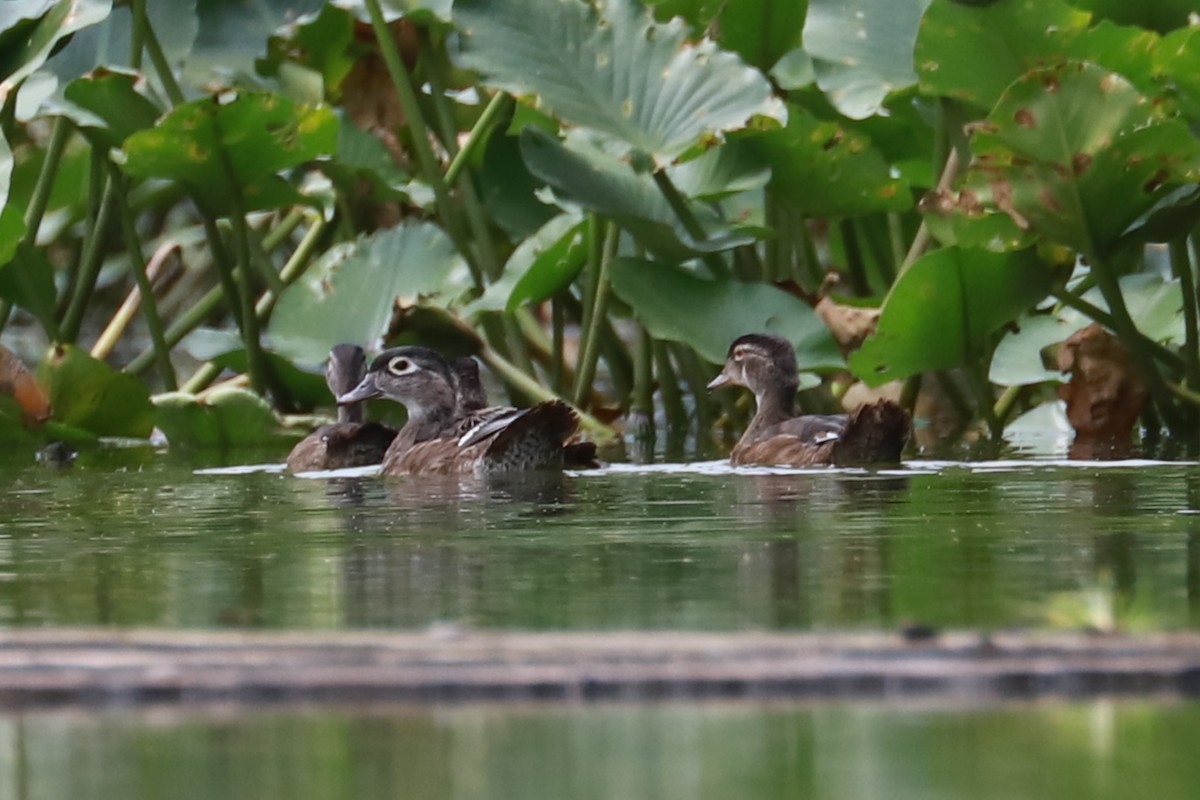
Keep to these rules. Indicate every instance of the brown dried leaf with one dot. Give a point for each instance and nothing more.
(18, 381)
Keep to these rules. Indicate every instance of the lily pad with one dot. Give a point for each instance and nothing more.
(943, 311)
(260, 134)
(228, 417)
(349, 295)
(610, 67)
(86, 393)
(680, 306)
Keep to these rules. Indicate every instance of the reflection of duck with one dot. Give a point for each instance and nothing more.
(349, 442)
(766, 365)
(441, 438)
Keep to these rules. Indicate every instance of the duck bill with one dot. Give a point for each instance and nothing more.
(720, 381)
(365, 390)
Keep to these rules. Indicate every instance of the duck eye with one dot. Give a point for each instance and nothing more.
(739, 353)
(400, 366)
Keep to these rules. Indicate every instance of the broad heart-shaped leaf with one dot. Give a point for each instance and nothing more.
(260, 133)
(824, 169)
(943, 310)
(862, 50)
(114, 105)
(581, 173)
(762, 31)
(1076, 154)
(611, 68)
(227, 417)
(350, 294)
(541, 265)
(86, 393)
(973, 53)
(679, 306)
(26, 41)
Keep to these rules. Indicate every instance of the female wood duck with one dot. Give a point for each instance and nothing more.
(766, 365)
(349, 442)
(441, 438)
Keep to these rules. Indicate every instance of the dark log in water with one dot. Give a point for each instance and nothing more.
(105, 668)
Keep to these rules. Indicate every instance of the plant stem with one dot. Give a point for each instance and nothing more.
(673, 407)
(496, 108)
(511, 374)
(854, 258)
(1182, 267)
(586, 372)
(1097, 314)
(89, 268)
(558, 323)
(137, 263)
(1006, 403)
(678, 204)
(161, 67)
(137, 35)
(643, 376)
(40, 198)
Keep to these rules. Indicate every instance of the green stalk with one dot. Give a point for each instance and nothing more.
(558, 323)
(697, 378)
(586, 372)
(1007, 402)
(673, 407)
(854, 258)
(89, 268)
(137, 262)
(808, 262)
(496, 108)
(678, 204)
(161, 67)
(430, 169)
(643, 377)
(40, 198)
(137, 36)
(1182, 267)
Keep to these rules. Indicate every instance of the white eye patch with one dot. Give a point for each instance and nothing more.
(402, 366)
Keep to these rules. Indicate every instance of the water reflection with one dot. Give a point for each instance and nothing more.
(1002, 543)
(758, 751)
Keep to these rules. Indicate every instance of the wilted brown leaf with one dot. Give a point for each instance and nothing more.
(17, 381)
(1105, 394)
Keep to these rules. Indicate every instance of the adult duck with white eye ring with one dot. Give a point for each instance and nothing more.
(766, 365)
(440, 437)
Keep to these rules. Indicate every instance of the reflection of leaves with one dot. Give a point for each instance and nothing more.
(261, 133)
(86, 393)
(943, 310)
(708, 315)
(350, 294)
(613, 69)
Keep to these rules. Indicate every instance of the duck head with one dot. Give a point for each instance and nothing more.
(417, 377)
(346, 368)
(763, 363)
(469, 387)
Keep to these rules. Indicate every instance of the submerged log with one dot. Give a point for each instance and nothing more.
(99, 668)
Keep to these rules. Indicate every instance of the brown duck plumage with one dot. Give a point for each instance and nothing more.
(349, 442)
(444, 435)
(766, 365)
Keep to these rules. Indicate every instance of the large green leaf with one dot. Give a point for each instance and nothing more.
(260, 134)
(974, 52)
(111, 105)
(582, 173)
(350, 294)
(1161, 15)
(611, 68)
(12, 222)
(1076, 154)
(86, 393)
(30, 30)
(224, 418)
(762, 31)
(678, 305)
(826, 170)
(27, 280)
(943, 310)
(862, 50)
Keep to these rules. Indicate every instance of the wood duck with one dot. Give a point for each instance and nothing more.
(467, 386)
(442, 438)
(766, 365)
(349, 442)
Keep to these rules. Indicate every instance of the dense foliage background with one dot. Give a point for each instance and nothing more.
(595, 198)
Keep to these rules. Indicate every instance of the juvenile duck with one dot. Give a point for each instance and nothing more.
(766, 365)
(349, 442)
(468, 387)
(442, 438)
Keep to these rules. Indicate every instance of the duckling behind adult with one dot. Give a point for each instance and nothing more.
(349, 442)
(440, 437)
(766, 365)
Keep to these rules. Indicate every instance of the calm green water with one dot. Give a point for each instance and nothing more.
(135, 538)
(1092, 751)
